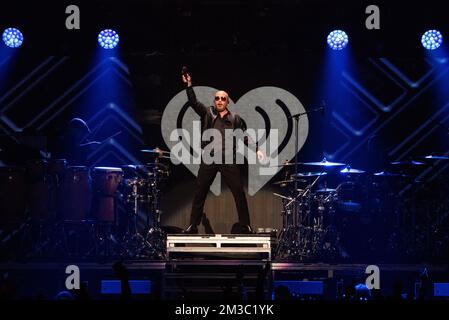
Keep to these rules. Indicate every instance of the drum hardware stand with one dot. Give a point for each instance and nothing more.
(135, 245)
(310, 235)
(155, 235)
(42, 240)
(105, 243)
(73, 238)
(51, 233)
(18, 232)
(291, 240)
(150, 243)
(287, 244)
(51, 238)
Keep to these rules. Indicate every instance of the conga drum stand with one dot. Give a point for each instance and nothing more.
(105, 182)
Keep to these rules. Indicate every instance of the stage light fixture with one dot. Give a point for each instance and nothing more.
(108, 39)
(12, 37)
(337, 40)
(432, 39)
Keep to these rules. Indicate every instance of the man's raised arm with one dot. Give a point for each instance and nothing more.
(199, 108)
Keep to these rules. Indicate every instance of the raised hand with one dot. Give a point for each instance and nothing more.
(187, 79)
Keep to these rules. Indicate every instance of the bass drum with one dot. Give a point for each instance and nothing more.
(351, 197)
(355, 222)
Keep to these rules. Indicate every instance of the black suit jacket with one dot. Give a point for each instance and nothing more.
(209, 115)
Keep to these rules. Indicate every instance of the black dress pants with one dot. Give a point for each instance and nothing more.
(231, 177)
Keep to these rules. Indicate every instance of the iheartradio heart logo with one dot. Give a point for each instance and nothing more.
(266, 112)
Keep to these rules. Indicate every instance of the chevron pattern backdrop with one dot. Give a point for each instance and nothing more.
(49, 92)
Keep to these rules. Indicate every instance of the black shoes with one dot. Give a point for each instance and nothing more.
(247, 230)
(238, 228)
(192, 229)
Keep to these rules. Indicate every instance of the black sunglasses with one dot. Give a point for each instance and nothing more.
(222, 98)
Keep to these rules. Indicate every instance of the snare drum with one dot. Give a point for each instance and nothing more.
(105, 182)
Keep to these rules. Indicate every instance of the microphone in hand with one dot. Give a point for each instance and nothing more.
(185, 76)
(184, 71)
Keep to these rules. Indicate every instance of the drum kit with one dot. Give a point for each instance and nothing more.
(141, 192)
(53, 203)
(335, 211)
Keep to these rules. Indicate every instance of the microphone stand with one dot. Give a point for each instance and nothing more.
(296, 117)
(289, 236)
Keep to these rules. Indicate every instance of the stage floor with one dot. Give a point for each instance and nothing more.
(216, 279)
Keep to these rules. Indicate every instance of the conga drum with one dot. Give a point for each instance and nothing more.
(75, 194)
(12, 195)
(56, 169)
(55, 176)
(38, 189)
(105, 182)
(36, 169)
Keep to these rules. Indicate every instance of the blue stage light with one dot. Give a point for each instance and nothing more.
(337, 40)
(12, 37)
(432, 39)
(108, 39)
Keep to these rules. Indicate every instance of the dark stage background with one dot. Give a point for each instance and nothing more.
(387, 101)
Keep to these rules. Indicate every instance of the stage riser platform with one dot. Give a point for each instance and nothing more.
(232, 246)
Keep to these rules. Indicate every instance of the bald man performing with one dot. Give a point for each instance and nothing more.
(219, 118)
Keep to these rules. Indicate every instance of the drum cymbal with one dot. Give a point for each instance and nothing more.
(285, 182)
(408, 163)
(349, 170)
(106, 169)
(309, 174)
(386, 174)
(131, 166)
(287, 164)
(391, 174)
(138, 169)
(326, 190)
(432, 157)
(156, 164)
(325, 163)
(155, 151)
